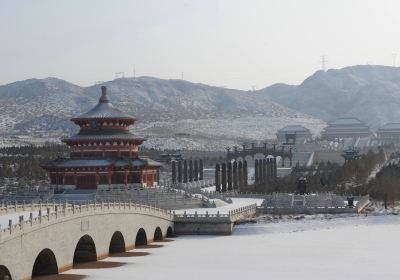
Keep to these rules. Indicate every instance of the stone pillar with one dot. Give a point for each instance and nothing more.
(196, 170)
(229, 176)
(180, 171)
(173, 172)
(273, 165)
(269, 169)
(223, 177)
(201, 169)
(190, 171)
(256, 175)
(245, 173)
(185, 171)
(217, 178)
(264, 170)
(240, 174)
(235, 175)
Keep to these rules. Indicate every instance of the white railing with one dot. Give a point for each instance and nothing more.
(49, 213)
(362, 203)
(192, 185)
(231, 216)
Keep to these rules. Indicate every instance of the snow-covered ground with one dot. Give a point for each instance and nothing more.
(312, 248)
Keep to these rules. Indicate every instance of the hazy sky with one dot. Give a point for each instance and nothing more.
(237, 44)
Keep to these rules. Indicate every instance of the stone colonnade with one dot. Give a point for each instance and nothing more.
(184, 171)
(264, 170)
(230, 176)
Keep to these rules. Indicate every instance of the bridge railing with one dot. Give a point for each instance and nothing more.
(52, 213)
(231, 216)
(191, 185)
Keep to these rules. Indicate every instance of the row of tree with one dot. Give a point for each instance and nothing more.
(350, 178)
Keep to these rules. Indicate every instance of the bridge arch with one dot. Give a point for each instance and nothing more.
(4, 272)
(170, 232)
(141, 237)
(85, 250)
(117, 243)
(158, 234)
(45, 264)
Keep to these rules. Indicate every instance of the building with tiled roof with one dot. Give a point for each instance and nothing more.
(389, 133)
(104, 153)
(346, 128)
(295, 133)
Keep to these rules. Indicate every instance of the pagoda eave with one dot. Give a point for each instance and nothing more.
(83, 119)
(136, 141)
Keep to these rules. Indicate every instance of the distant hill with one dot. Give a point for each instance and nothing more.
(368, 92)
(165, 108)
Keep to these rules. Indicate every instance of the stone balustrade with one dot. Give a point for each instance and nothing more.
(232, 215)
(49, 213)
(221, 224)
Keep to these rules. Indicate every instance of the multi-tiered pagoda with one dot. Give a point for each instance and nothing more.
(104, 153)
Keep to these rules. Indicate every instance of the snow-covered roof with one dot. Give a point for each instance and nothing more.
(347, 121)
(390, 126)
(103, 135)
(68, 163)
(294, 128)
(104, 110)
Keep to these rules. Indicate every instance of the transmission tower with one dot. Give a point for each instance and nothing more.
(119, 75)
(323, 63)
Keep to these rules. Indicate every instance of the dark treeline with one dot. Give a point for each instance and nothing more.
(350, 178)
(386, 185)
(20, 166)
(45, 151)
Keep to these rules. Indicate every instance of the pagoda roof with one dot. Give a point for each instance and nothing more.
(104, 110)
(103, 135)
(71, 163)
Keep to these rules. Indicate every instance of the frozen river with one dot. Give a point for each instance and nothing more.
(312, 248)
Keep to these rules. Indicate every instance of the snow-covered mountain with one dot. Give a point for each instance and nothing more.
(165, 108)
(368, 92)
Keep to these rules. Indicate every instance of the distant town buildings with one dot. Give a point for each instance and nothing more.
(346, 128)
(294, 134)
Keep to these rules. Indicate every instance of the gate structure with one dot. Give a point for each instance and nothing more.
(284, 151)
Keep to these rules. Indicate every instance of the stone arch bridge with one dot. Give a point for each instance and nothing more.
(53, 240)
(50, 238)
